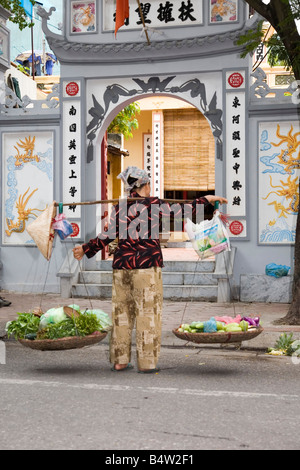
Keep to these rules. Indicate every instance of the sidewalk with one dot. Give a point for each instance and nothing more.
(174, 313)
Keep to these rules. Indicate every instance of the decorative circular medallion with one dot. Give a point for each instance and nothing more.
(75, 230)
(236, 227)
(236, 80)
(72, 89)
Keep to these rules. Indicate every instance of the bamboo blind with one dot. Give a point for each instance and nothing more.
(189, 151)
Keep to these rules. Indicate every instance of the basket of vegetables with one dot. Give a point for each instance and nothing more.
(220, 330)
(60, 328)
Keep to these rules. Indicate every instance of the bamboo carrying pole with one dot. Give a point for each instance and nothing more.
(115, 201)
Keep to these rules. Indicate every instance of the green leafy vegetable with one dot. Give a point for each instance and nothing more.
(27, 323)
(84, 325)
(62, 329)
(30, 326)
(87, 323)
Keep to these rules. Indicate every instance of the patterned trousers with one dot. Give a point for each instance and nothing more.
(137, 297)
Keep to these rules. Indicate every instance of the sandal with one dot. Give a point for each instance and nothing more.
(149, 371)
(128, 367)
(4, 302)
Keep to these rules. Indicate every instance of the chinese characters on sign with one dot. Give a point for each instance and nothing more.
(72, 153)
(236, 144)
(157, 176)
(156, 13)
(148, 154)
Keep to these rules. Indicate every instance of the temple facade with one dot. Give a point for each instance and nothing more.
(184, 51)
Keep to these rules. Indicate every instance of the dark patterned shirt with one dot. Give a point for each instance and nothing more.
(137, 225)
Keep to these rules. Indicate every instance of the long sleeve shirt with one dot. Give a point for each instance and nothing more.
(136, 224)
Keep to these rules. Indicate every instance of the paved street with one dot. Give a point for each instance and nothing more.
(201, 399)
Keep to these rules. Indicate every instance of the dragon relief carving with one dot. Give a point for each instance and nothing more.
(27, 145)
(23, 214)
(286, 157)
(288, 190)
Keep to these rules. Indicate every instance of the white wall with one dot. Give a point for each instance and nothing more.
(27, 85)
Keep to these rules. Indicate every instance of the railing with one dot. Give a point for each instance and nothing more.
(261, 93)
(15, 106)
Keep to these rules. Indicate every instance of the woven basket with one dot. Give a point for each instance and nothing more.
(70, 342)
(219, 337)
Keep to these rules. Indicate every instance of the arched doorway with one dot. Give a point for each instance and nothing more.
(174, 143)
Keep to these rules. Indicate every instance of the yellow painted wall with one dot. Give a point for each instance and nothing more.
(114, 184)
(135, 145)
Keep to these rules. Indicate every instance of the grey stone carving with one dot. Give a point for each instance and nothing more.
(196, 89)
(261, 93)
(14, 106)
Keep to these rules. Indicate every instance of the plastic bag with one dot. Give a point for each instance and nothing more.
(210, 237)
(277, 270)
(62, 227)
(54, 315)
(210, 326)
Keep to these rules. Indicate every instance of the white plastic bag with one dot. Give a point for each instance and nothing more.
(54, 315)
(210, 237)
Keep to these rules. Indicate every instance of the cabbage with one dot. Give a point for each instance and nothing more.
(231, 327)
(244, 325)
(250, 320)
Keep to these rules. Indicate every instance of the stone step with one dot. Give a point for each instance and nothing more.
(173, 266)
(169, 278)
(171, 292)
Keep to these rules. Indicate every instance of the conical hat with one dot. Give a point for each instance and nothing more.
(42, 232)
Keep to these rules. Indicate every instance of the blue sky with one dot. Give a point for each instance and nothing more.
(21, 40)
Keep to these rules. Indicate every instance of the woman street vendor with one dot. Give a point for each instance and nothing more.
(137, 292)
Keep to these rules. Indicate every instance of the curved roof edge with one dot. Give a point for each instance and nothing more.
(66, 50)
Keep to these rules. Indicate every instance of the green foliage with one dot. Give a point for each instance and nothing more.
(251, 40)
(27, 323)
(125, 122)
(286, 346)
(284, 341)
(18, 13)
(284, 46)
(277, 53)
